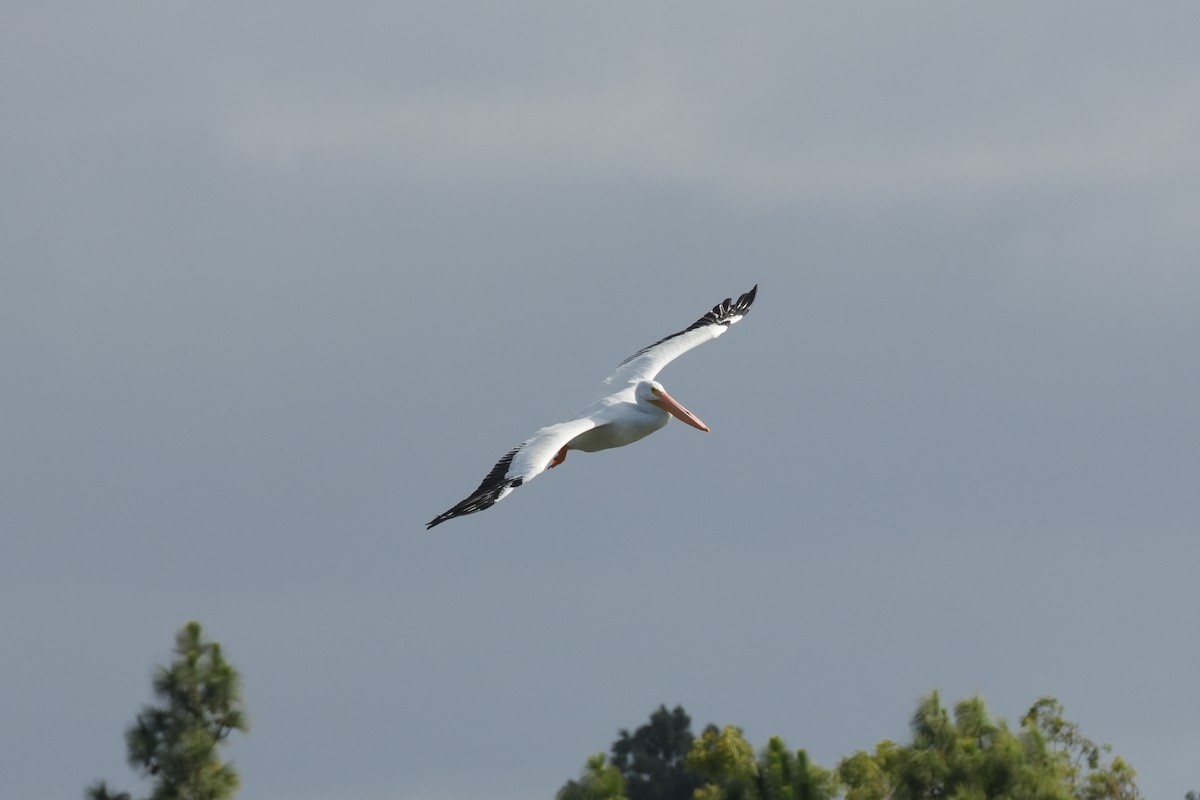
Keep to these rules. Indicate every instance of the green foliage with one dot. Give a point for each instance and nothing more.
(785, 775)
(971, 756)
(966, 756)
(1078, 759)
(654, 758)
(954, 754)
(176, 743)
(100, 792)
(727, 760)
(864, 776)
(600, 781)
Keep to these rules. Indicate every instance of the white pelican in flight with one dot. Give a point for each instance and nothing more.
(635, 409)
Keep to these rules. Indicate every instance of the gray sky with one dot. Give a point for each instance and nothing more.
(279, 282)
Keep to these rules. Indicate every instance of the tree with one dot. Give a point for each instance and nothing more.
(792, 776)
(1080, 760)
(727, 760)
(651, 764)
(600, 781)
(958, 754)
(654, 758)
(970, 755)
(176, 743)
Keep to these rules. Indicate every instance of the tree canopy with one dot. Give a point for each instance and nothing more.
(600, 781)
(962, 753)
(176, 743)
(653, 759)
(649, 764)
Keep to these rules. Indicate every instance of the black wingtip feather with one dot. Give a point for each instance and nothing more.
(745, 301)
(721, 314)
(486, 495)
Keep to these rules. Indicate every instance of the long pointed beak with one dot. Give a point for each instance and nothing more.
(669, 404)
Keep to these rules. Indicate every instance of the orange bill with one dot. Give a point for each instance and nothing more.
(669, 404)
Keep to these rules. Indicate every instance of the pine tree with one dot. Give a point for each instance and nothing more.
(653, 758)
(176, 743)
(600, 781)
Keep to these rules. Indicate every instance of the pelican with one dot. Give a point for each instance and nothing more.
(637, 406)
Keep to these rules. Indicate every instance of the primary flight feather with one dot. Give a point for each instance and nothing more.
(636, 408)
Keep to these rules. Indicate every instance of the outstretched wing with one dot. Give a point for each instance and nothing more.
(519, 465)
(647, 362)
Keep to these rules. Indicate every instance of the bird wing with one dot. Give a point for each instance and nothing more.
(519, 465)
(647, 362)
